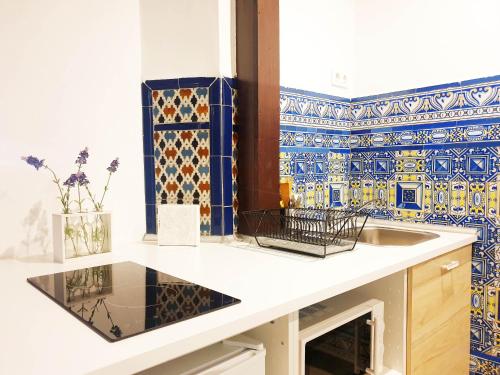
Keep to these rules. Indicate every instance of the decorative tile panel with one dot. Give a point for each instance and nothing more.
(234, 98)
(431, 155)
(451, 133)
(319, 179)
(462, 100)
(182, 170)
(184, 105)
(235, 181)
(190, 149)
(234, 164)
(291, 137)
(482, 366)
(309, 109)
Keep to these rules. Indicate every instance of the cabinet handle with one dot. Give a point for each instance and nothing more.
(449, 266)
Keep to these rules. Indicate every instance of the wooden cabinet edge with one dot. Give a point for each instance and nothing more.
(410, 294)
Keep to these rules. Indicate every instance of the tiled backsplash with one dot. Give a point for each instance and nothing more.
(182, 170)
(314, 146)
(185, 105)
(190, 149)
(431, 154)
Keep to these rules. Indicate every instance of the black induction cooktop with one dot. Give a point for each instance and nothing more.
(125, 299)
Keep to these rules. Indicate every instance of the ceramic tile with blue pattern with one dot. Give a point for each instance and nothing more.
(228, 221)
(381, 166)
(457, 130)
(216, 180)
(319, 167)
(216, 216)
(409, 195)
(300, 167)
(356, 166)
(441, 165)
(477, 164)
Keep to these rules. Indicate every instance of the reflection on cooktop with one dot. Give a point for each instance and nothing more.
(124, 299)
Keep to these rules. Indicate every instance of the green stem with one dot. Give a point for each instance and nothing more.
(102, 237)
(67, 198)
(92, 198)
(104, 192)
(84, 230)
(104, 234)
(85, 235)
(75, 247)
(78, 188)
(63, 197)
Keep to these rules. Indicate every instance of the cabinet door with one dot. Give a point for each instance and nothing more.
(438, 321)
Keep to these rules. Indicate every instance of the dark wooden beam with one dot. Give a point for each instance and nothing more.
(257, 65)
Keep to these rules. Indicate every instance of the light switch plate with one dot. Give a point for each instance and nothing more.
(178, 225)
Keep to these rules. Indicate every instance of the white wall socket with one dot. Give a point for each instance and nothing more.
(339, 79)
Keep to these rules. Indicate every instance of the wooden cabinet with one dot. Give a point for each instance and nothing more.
(438, 319)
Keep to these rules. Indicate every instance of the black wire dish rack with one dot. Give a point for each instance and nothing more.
(317, 232)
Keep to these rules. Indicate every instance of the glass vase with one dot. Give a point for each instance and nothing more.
(81, 234)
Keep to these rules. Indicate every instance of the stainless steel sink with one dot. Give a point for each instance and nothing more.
(394, 237)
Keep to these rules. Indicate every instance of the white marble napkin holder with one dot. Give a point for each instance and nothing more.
(178, 225)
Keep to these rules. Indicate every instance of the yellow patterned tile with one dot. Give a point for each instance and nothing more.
(410, 153)
(336, 178)
(422, 195)
(310, 195)
(326, 193)
(336, 164)
(483, 367)
(458, 204)
(355, 193)
(495, 350)
(492, 204)
(367, 190)
(497, 305)
(427, 196)
(410, 165)
(441, 197)
(491, 303)
(391, 201)
(477, 300)
(381, 194)
(319, 195)
(477, 198)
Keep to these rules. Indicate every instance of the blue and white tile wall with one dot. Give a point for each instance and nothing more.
(432, 154)
(189, 138)
(314, 146)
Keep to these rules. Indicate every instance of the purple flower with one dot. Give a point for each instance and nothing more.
(82, 156)
(35, 162)
(79, 178)
(113, 166)
(82, 179)
(71, 180)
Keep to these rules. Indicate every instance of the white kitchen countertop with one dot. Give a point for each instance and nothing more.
(37, 336)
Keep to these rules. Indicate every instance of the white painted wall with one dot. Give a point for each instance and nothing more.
(227, 38)
(407, 44)
(69, 78)
(192, 38)
(387, 45)
(316, 39)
